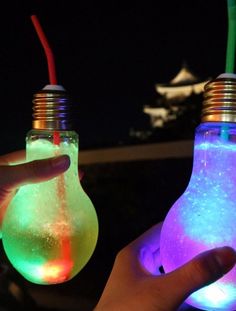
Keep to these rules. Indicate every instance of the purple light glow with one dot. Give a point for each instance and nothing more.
(204, 217)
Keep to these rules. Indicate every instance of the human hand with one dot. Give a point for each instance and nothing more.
(135, 283)
(13, 175)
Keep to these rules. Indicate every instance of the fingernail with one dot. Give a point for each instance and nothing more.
(226, 258)
(61, 162)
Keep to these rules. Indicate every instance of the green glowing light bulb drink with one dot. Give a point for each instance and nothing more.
(50, 229)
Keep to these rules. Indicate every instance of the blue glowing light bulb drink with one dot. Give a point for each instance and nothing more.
(204, 217)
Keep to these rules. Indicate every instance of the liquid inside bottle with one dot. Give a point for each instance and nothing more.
(204, 216)
(50, 229)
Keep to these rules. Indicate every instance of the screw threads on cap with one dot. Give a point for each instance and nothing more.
(51, 110)
(219, 103)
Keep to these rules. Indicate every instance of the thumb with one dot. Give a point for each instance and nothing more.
(14, 176)
(199, 272)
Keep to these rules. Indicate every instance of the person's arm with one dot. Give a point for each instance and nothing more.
(134, 285)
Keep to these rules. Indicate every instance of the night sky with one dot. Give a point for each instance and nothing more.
(109, 55)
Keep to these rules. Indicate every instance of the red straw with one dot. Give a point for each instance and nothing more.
(47, 50)
(51, 63)
(66, 261)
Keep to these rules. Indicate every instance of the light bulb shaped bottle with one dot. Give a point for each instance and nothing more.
(50, 229)
(204, 217)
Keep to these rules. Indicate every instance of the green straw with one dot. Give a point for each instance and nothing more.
(230, 53)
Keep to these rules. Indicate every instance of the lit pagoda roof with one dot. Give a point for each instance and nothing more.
(183, 84)
(184, 76)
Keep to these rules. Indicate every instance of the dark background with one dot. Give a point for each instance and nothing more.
(108, 55)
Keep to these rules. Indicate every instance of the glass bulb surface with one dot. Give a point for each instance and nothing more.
(50, 229)
(204, 216)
